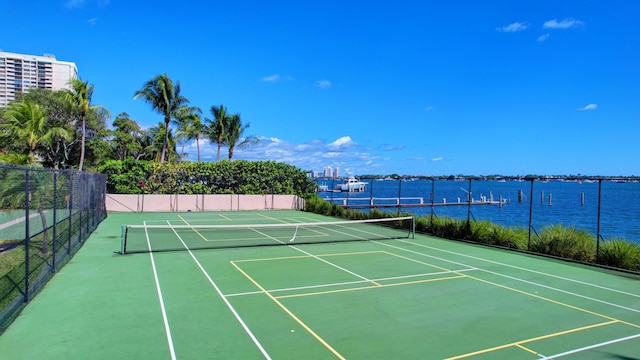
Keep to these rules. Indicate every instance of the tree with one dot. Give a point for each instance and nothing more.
(60, 152)
(189, 126)
(156, 134)
(215, 128)
(127, 138)
(80, 97)
(26, 122)
(165, 98)
(234, 132)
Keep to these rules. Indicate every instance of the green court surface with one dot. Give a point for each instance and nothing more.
(406, 298)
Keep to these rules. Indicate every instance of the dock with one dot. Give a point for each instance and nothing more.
(407, 202)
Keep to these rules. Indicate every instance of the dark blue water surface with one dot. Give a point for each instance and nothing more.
(619, 202)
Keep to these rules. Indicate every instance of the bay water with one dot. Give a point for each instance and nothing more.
(569, 203)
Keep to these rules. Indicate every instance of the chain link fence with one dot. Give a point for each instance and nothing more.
(45, 217)
(606, 207)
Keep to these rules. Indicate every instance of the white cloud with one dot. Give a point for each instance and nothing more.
(515, 27)
(544, 37)
(343, 142)
(588, 107)
(276, 78)
(564, 24)
(311, 155)
(436, 159)
(392, 147)
(429, 108)
(323, 84)
(92, 21)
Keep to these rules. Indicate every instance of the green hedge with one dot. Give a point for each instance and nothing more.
(224, 177)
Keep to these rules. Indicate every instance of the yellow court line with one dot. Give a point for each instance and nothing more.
(272, 218)
(225, 217)
(527, 349)
(518, 343)
(378, 286)
(423, 263)
(353, 253)
(321, 340)
(306, 256)
(196, 231)
(555, 301)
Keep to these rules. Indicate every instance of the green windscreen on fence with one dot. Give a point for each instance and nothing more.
(45, 216)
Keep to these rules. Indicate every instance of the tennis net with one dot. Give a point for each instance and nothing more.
(152, 238)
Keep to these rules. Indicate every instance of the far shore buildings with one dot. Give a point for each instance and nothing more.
(20, 73)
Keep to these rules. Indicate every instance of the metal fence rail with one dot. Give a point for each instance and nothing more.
(45, 217)
(608, 208)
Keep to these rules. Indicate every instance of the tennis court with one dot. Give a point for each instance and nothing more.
(317, 296)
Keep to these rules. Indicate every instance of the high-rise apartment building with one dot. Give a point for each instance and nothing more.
(20, 73)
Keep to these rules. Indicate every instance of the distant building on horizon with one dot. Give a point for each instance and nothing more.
(20, 73)
(329, 172)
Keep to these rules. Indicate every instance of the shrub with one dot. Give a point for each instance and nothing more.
(620, 253)
(514, 238)
(566, 242)
(479, 231)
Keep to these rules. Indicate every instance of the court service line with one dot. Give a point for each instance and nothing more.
(298, 288)
(515, 278)
(318, 258)
(526, 341)
(594, 346)
(511, 277)
(292, 315)
(162, 308)
(532, 271)
(226, 301)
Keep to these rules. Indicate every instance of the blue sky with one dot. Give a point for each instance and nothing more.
(372, 87)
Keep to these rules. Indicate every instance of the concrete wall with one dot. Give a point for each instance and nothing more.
(150, 203)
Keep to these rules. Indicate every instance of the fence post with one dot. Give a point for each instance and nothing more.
(399, 194)
(55, 223)
(598, 236)
(469, 207)
(26, 236)
(433, 198)
(530, 213)
(70, 174)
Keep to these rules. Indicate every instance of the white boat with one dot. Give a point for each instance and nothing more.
(351, 184)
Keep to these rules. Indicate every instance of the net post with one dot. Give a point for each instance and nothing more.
(413, 227)
(123, 239)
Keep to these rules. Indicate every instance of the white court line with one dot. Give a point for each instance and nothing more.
(537, 272)
(511, 277)
(575, 351)
(226, 301)
(16, 221)
(348, 283)
(508, 276)
(162, 308)
(321, 259)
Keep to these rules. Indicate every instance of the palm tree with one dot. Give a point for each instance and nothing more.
(188, 126)
(26, 122)
(215, 129)
(195, 132)
(156, 133)
(80, 98)
(233, 133)
(164, 97)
